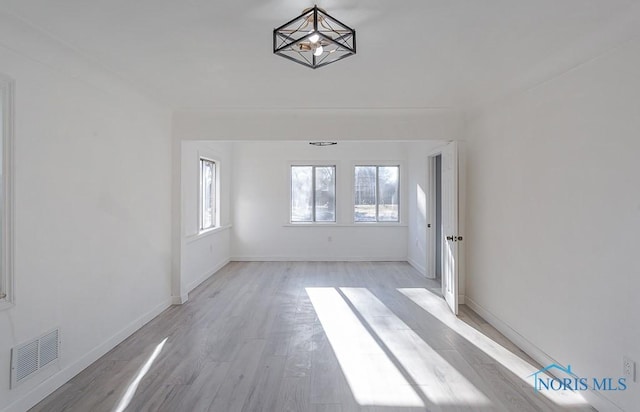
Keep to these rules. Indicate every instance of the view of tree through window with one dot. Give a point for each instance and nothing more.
(313, 193)
(376, 194)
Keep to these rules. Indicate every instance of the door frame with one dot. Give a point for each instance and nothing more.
(431, 215)
(431, 220)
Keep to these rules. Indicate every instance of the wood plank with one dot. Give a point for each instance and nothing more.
(239, 380)
(265, 389)
(294, 395)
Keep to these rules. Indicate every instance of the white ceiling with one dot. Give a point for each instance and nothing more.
(411, 53)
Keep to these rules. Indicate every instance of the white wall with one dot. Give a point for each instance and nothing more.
(203, 254)
(554, 216)
(92, 208)
(419, 205)
(317, 124)
(261, 204)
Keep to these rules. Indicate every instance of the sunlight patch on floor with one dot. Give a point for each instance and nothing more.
(384, 361)
(133, 386)
(372, 376)
(440, 381)
(438, 308)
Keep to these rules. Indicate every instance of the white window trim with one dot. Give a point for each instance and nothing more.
(314, 163)
(359, 224)
(206, 232)
(217, 163)
(7, 300)
(401, 191)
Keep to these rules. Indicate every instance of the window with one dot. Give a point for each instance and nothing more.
(6, 188)
(313, 194)
(207, 194)
(377, 194)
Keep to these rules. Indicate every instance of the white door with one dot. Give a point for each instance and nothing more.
(450, 225)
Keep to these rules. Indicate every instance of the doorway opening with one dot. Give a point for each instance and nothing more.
(443, 238)
(437, 207)
(436, 233)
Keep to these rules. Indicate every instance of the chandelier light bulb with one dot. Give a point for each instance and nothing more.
(318, 51)
(314, 38)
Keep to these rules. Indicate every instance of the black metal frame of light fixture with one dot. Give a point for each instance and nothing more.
(288, 43)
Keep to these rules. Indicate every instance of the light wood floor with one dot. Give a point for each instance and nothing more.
(310, 336)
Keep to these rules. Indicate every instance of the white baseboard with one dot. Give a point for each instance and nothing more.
(595, 399)
(600, 402)
(206, 275)
(317, 259)
(179, 300)
(420, 268)
(44, 389)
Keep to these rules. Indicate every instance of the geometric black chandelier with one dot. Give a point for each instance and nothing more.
(314, 39)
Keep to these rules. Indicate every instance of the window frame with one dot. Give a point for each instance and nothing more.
(7, 295)
(313, 167)
(377, 220)
(215, 221)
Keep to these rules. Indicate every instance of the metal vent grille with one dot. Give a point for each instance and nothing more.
(49, 348)
(29, 358)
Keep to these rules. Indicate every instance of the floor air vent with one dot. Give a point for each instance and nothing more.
(28, 358)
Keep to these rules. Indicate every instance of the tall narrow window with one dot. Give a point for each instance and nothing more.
(6, 190)
(207, 194)
(313, 194)
(377, 194)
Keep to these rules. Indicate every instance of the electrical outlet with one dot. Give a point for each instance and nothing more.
(629, 368)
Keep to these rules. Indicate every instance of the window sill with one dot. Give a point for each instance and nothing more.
(5, 304)
(363, 224)
(207, 232)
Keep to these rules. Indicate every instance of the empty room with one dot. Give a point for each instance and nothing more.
(328, 207)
